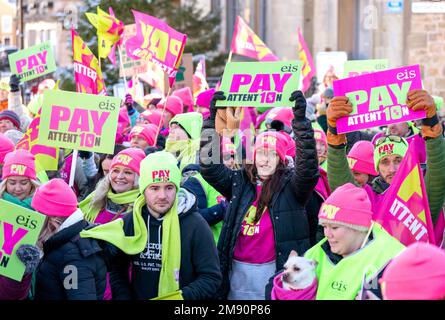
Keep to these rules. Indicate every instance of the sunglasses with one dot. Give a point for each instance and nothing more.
(391, 138)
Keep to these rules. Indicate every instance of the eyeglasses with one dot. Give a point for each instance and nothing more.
(392, 138)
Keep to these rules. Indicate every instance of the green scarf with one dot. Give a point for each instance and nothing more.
(187, 149)
(113, 232)
(25, 203)
(118, 198)
(171, 242)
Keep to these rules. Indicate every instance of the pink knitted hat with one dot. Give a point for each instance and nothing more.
(290, 144)
(19, 163)
(272, 140)
(6, 146)
(153, 116)
(55, 198)
(173, 104)
(227, 146)
(185, 94)
(204, 98)
(130, 158)
(348, 205)
(418, 273)
(361, 158)
(285, 115)
(146, 132)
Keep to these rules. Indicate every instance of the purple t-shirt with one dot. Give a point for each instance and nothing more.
(256, 242)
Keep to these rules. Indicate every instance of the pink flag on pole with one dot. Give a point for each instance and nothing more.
(246, 43)
(404, 210)
(308, 70)
(157, 42)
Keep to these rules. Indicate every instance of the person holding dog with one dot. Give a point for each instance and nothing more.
(266, 218)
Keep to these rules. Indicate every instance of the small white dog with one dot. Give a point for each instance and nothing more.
(299, 272)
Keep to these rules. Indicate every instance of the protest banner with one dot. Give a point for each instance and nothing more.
(18, 226)
(184, 76)
(129, 66)
(33, 62)
(47, 158)
(405, 212)
(156, 41)
(246, 43)
(355, 68)
(260, 84)
(79, 121)
(378, 98)
(87, 72)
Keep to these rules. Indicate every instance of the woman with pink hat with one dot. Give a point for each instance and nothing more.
(19, 181)
(361, 163)
(64, 251)
(354, 247)
(116, 192)
(266, 217)
(143, 136)
(202, 104)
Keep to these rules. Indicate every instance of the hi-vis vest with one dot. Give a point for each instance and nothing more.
(343, 281)
(212, 200)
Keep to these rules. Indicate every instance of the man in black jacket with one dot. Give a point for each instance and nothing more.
(180, 255)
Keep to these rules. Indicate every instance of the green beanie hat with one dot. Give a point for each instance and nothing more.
(389, 147)
(191, 122)
(158, 167)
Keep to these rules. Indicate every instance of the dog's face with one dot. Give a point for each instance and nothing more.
(299, 272)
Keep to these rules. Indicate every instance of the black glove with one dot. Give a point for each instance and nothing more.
(29, 255)
(299, 108)
(218, 95)
(85, 154)
(14, 83)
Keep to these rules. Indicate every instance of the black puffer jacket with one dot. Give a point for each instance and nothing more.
(72, 268)
(289, 218)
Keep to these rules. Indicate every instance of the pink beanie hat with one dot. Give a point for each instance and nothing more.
(154, 117)
(417, 273)
(55, 198)
(285, 115)
(227, 146)
(361, 158)
(348, 205)
(173, 104)
(185, 94)
(6, 146)
(130, 158)
(146, 132)
(19, 163)
(204, 98)
(272, 140)
(290, 143)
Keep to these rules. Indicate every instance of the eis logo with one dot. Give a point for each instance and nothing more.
(339, 286)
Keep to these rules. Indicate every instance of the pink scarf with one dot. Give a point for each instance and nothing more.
(278, 293)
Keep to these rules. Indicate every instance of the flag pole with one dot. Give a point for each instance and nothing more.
(230, 56)
(367, 235)
(73, 167)
(162, 117)
(122, 66)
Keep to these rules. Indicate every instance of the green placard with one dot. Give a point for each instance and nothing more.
(79, 121)
(260, 84)
(33, 62)
(355, 68)
(18, 226)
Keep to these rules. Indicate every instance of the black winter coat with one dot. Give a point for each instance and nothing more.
(199, 275)
(72, 268)
(287, 212)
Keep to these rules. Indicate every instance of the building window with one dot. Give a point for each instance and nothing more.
(7, 41)
(6, 24)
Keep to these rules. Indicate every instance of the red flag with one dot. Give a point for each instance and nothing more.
(308, 70)
(404, 210)
(246, 43)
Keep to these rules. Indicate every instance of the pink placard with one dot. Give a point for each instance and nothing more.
(379, 98)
